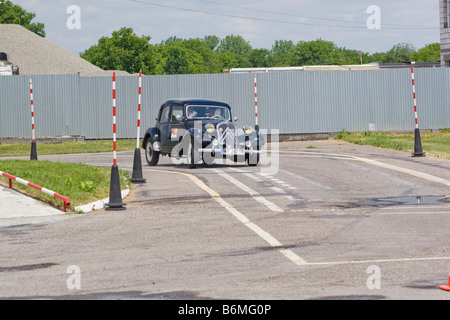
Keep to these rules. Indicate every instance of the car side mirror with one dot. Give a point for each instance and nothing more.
(179, 117)
(236, 119)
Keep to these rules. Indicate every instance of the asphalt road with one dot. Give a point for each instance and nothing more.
(317, 220)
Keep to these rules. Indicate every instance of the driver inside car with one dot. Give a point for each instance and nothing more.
(210, 112)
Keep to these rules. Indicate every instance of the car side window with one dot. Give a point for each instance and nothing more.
(177, 112)
(164, 114)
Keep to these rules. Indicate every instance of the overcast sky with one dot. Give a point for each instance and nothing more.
(261, 22)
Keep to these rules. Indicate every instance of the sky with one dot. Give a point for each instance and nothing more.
(368, 26)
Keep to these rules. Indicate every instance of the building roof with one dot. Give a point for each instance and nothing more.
(409, 65)
(36, 55)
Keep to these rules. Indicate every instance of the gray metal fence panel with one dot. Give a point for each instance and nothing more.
(293, 102)
(56, 99)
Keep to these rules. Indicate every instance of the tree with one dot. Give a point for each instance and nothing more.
(260, 58)
(236, 45)
(429, 53)
(400, 52)
(230, 59)
(212, 42)
(15, 14)
(176, 60)
(280, 53)
(379, 57)
(200, 56)
(124, 50)
(318, 52)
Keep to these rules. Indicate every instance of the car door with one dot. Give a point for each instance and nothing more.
(164, 128)
(176, 125)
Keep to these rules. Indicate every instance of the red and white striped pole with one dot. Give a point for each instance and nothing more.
(32, 185)
(137, 176)
(139, 109)
(33, 155)
(414, 96)
(114, 121)
(32, 110)
(256, 105)
(418, 152)
(115, 192)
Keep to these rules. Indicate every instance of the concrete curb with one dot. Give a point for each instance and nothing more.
(97, 205)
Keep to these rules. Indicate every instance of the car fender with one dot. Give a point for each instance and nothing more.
(153, 134)
(257, 139)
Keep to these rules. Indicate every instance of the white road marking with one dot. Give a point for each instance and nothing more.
(272, 206)
(375, 261)
(242, 218)
(279, 190)
(305, 179)
(418, 174)
(289, 253)
(410, 212)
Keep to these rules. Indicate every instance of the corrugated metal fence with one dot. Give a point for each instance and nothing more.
(293, 102)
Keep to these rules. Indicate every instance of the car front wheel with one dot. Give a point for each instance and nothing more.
(151, 155)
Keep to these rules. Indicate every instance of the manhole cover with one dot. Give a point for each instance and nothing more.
(414, 200)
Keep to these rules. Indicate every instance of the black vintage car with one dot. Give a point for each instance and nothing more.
(199, 130)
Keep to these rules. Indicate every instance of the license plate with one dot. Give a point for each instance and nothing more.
(234, 152)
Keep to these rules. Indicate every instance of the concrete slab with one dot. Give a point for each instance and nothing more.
(14, 204)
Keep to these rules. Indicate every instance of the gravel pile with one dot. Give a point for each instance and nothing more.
(36, 55)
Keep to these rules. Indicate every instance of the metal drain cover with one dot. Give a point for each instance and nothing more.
(415, 200)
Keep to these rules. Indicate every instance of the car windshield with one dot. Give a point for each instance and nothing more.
(207, 112)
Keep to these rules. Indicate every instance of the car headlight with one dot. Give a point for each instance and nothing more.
(157, 146)
(248, 129)
(210, 128)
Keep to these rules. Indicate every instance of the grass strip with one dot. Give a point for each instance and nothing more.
(90, 146)
(433, 143)
(81, 183)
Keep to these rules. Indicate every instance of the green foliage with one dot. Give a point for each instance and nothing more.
(15, 14)
(23, 149)
(87, 186)
(433, 143)
(176, 61)
(318, 52)
(429, 53)
(124, 50)
(400, 53)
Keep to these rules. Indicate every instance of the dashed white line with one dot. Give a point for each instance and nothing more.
(305, 179)
(242, 218)
(272, 206)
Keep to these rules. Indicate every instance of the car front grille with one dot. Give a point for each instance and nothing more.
(226, 134)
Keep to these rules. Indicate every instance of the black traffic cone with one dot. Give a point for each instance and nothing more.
(417, 144)
(33, 155)
(115, 193)
(137, 176)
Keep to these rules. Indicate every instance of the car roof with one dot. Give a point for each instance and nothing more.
(197, 101)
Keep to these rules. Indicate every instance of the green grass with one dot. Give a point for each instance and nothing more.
(24, 149)
(81, 183)
(433, 143)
